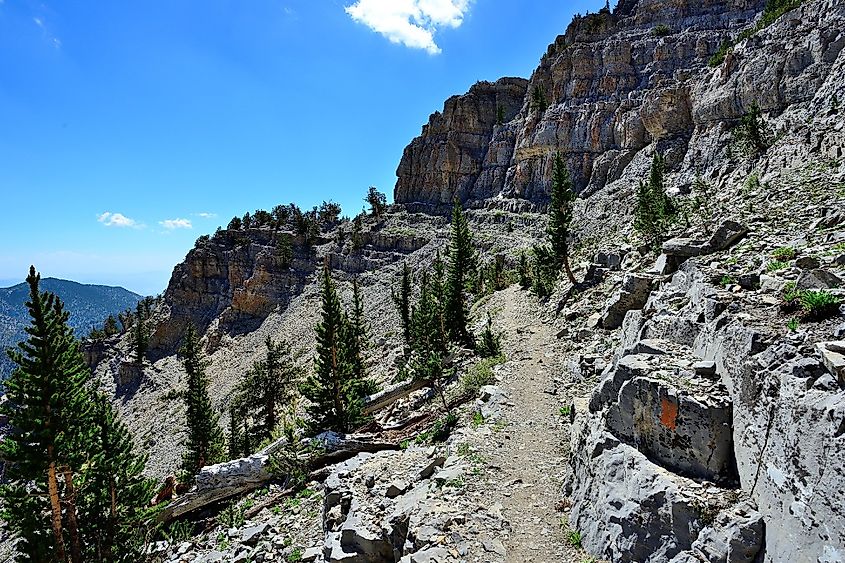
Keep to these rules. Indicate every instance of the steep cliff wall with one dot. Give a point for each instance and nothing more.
(458, 143)
(613, 84)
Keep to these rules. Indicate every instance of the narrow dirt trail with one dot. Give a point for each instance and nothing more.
(533, 447)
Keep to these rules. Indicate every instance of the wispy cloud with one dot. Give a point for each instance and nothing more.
(412, 23)
(110, 219)
(205, 215)
(171, 224)
(48, 35)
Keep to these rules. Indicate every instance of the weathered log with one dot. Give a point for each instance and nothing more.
(219, 482)
(392, 394)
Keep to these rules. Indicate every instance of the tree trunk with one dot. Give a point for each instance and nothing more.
(72, 524)
(566, 267)
(55, 506)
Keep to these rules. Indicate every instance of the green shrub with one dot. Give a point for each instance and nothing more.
(776, 265)
(479, 375)
(661, 30)
(775, 9)
(784, 253)
(489, 345)
(719, 56)
(727, 280)
(655, 212)
(792, 325)
(819, 304)
(752, 136)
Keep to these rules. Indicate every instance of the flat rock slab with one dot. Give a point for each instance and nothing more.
(677, 422)
(833, 358)
(728, 233)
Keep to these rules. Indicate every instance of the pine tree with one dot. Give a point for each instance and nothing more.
(460, 272)
(403, 302)
(115, 512)
(560, 216)
(110, 326)
(238, 440)
(141, 335)
(490, 342)
(336, 390)
(655, 212)
(377, 201)
(359, 335)
(73, 487)
(205, 445)
(524, 273)
(48, 409)
(268, 385)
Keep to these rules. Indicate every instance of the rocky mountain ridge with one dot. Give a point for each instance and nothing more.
(698, 426)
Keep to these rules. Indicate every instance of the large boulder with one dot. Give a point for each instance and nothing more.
(632, 295)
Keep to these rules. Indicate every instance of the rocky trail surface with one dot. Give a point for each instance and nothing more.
(532, 449)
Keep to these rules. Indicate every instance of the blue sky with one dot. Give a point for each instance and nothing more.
(128, 129)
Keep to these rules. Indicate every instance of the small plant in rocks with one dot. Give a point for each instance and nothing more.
(818, 305)
(776, 266)
(784, 253)
(792, 325)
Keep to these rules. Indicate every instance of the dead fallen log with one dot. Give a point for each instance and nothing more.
(222, 481)
(392, 394)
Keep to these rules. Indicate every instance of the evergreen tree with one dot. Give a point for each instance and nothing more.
(73, 489)
(377, 201)
(359, 335)
(403, 302)
(141, 335)
(205, 445)
(268, 385)
(115, 512)
(238, 441)
(545, 272)
(460, 272)
(655, 212)
(110, 326)
(490, 343)
(560, 216)
(523, 271)
(336, 390)
(48, 409)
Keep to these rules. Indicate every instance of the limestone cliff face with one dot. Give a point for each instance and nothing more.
(613, 84)
(456, 145)
(234, 280)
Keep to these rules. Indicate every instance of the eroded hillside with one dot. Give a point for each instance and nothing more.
(668, 408)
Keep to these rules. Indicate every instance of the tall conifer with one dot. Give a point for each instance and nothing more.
(205, 444)
(140, 333)
(403, 302)
(460, 268)
(116, 492)
(336, 389)
(73, 489)
(47, 410)
(560, 216)
(268, 386)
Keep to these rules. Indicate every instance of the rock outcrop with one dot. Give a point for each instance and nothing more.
(459, 144)
(603, 92)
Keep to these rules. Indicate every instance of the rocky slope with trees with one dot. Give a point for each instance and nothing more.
(653, 370)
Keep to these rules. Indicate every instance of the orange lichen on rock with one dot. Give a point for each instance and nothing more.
(668, 413)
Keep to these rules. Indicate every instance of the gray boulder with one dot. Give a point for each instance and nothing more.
(632, 295)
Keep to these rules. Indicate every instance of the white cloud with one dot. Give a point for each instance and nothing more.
(412, 23)
(110, 219)
(205, 215)
(171, 224)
